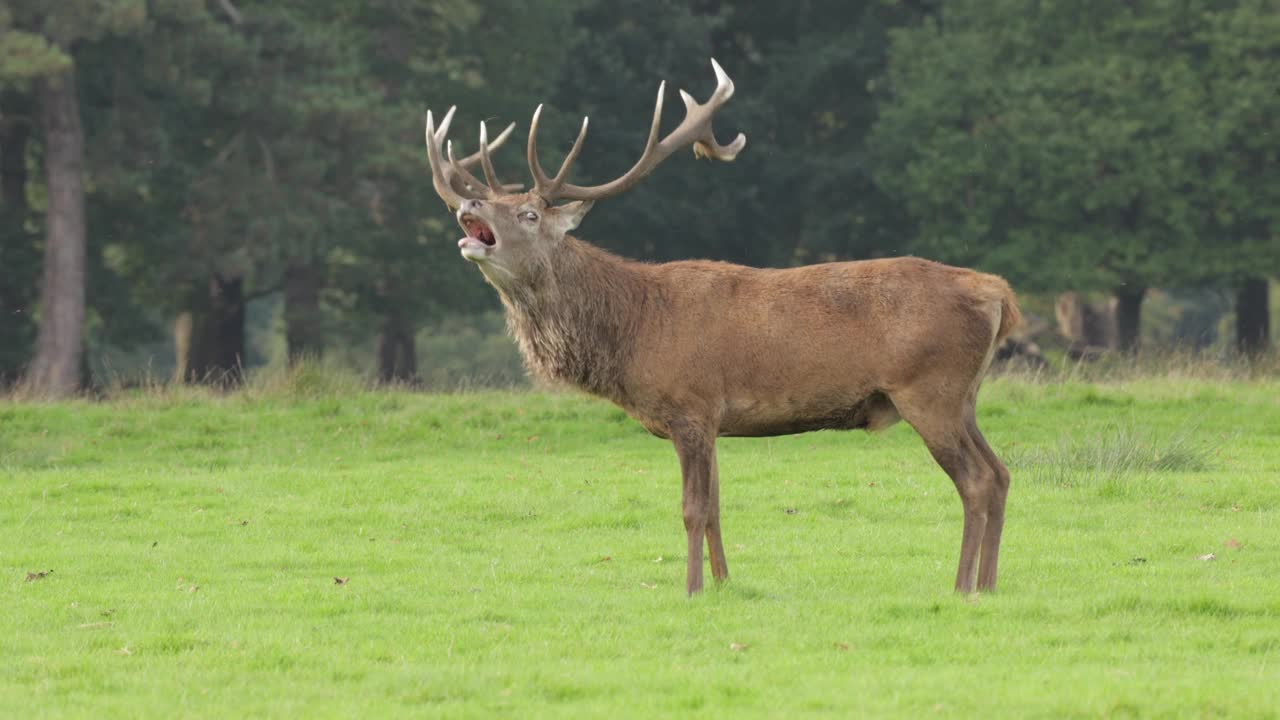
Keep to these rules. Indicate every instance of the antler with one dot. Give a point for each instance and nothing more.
(695, 128)
(453, 182)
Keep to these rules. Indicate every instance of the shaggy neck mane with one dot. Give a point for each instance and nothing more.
(575, 319)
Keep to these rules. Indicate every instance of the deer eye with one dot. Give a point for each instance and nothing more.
(529, 216)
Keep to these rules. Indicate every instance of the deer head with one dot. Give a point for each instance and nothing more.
(511, 233)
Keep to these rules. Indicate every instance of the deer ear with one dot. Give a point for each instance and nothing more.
(570, 214)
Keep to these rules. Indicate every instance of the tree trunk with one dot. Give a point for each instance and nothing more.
(209, 341)
(303, 325)
(397, 352)
(183, 333)
(55, 370)
(13, 156)
(19, 257)
(1129, 317)
(1253, 317)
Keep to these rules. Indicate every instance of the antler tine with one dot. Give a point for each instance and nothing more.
(540, 179)
(571, 157)
(707, 146)
(471, 181)
(470, 160)
(502, 137)
(443, 131)
(479, 156)
(441, 182)
(724, 84)
(490, 176)
(694, 130)
(656, 124)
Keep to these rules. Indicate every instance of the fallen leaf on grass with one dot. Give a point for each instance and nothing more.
(842, 646)
(1208, 557)
(738, 647)
(1232, 544)
(33, 576)
(605, 558)
(340, 580)
(647, 586)
(657, 559)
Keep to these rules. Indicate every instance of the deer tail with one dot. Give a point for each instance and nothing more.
(1010, 315)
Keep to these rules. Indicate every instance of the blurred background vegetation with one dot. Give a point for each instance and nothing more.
(196, 187)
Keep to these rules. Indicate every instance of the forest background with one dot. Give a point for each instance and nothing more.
(191, 188)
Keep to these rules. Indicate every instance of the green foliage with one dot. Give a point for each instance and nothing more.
(1068, 148)
(522, 555)
(26, 56)
(294, 135)
(812, 73)
(469, 352)
(36, 36)
(805, 75)
(632, 46)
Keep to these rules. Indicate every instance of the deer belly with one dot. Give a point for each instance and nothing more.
(764, 418)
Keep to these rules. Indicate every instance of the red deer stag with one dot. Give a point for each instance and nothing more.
(696, 349)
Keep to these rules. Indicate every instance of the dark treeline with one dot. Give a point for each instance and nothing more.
(167, 164)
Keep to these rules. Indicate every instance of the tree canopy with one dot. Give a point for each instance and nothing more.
(1102, 145)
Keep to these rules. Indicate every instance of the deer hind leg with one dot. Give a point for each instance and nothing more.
(696, 450)
(715, 548)
(995, 511)
(943, 425)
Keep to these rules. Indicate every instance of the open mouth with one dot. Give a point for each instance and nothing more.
(480, 240)
(477, 230)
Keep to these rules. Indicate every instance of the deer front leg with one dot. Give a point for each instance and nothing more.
(696, 450)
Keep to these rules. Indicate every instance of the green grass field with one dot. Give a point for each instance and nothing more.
(522, 555)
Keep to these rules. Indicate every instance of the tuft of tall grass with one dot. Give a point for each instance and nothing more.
(1116, 453)
(307, 378)
(1170, 363)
